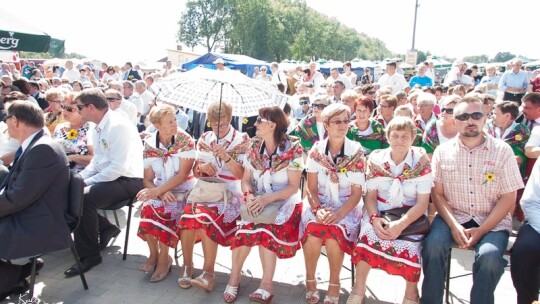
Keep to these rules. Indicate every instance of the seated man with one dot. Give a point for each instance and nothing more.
(114, 174)
(525, 258)
(33, 198)
(476, 180)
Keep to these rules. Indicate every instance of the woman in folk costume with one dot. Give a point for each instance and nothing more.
(220, 154)
(310, 129)
(335, 169)
(366, 130)
(168, 158)
(399, 176)
(273, 167)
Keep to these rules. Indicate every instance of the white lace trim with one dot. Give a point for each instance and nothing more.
(413, 248)
(247, 231)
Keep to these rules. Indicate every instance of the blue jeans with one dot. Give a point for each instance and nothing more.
(488, 266)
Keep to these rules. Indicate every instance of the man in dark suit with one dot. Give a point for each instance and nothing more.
(130, 73)
(33, 198)
(33, 90)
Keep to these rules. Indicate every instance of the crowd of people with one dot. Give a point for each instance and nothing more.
(378, 162)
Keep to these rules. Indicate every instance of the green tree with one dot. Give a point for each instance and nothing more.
(204, 23)
(503, 56)
(476, 59)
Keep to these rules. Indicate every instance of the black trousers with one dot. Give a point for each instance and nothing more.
(10, 275)
(513, 97)
(525, 261)
(97, 196)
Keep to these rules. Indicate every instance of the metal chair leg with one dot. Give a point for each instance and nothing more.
(32, 277)
(127, 230)
(79, 268)
(448, 263)
(116, 219)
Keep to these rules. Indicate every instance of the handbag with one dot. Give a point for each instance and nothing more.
(266, 216)
(419, 227)
(212, 190)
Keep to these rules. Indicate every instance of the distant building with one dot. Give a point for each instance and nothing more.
(178, 56)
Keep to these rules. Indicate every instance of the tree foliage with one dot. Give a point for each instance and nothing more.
(204, 23)
(50, 55)
(273, 30)
(476, 59)
(503, 56)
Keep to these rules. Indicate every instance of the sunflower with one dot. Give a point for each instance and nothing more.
(518, 137)
(490, 177)
(72, 134)
(343, 170)
(245, 121)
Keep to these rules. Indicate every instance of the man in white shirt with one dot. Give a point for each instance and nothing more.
(278, 76)
(335, 76)
(349, 74)
(146, 96)
(132, 97)
(118, 104)
(394, 80)
(114, 174)
(525, 257)
(317, 77)
(70, 73)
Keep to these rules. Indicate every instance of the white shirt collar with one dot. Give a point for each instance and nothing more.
(28, 140)
(408, 159)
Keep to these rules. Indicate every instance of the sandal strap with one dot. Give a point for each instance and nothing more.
(335, 285)
(185, 276)
(232, 290)
(264, 294)
(202, 279)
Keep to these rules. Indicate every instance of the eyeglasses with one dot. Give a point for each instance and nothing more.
(340, 122)
(81, 106)
(370, 92)
(319, 106)
(7, 117)
(384, 106)
(303, 102)
(69, 109)
(466, 116)
(260, 119)
(112, 99)
(447, 110)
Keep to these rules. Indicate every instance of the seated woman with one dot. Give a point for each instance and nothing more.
(442, 129)
(53, 114)
(310, 129)
(366, 130)
(220, 153)
(399, 176)
(335, 178)
(407, 111)
(273, 167)
(74, 136)
(168, 155)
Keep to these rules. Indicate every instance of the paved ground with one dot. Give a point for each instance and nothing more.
(117, 281)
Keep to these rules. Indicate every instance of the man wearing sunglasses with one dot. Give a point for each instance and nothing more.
(303, 107)
(114, 174)
(476, 179)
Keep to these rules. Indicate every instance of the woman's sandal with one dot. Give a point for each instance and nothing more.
(312, 296)
(331, 299)
(156, 277)
(230, 290)
(355, 299)
(146, 267)
(204, 283)
(261, 296)
(185, 280)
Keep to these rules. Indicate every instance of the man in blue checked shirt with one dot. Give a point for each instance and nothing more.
(514, 82)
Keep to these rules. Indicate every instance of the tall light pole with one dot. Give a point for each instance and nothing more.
(414, 26)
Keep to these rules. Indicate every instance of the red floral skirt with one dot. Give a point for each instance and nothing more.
(389, 260)
(212, 223)
(281, 239)
(159, 224)
(326, 232)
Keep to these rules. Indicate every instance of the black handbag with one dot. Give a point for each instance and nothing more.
(419, 227)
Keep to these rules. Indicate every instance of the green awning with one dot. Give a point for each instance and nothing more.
(17, 35)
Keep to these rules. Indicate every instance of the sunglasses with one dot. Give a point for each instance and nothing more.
(319, 106)
(303, 102)
(68, 109)
(447, 110)
(466, 116)
(112, 99)
(81, 106)
(260, 119)
(340, 122)
(7, 117)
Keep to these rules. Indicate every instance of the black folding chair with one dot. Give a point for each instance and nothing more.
(73, 215)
